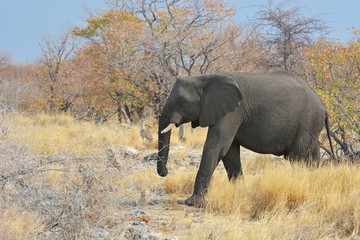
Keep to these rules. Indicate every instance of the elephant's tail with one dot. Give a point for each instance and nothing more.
(328, 134)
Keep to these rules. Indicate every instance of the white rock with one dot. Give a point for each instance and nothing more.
(129, 151)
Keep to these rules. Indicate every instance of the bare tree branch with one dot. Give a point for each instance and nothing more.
(286, 31)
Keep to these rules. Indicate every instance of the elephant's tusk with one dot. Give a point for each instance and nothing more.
(168, 128)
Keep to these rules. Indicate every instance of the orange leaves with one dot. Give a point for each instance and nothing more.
(113, 51)
(214, 6)
(108, 23)
(334, 70)
(135, 52)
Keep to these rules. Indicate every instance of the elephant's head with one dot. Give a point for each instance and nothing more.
(201, 100)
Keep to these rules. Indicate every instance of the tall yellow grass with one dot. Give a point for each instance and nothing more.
(194, 138)
(62, 134)
(281, 201)
(52, 134)
(181, 182)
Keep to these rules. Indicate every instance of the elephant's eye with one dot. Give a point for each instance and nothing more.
(182, 102)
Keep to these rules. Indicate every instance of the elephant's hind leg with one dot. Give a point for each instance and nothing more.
(306, 150)
(232, 162)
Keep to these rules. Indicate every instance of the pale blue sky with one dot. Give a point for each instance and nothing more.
(24, 22)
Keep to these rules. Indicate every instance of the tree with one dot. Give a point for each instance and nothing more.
(190, 34)
(243, 51)
(5, 60)
(286, 32)
(17, 89)
(185, 38)
(53, 67)
(116, 55)
(334, 71)
(138, 49)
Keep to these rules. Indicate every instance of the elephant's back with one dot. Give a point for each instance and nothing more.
(279, 86)
(280, 80)
(280, 95)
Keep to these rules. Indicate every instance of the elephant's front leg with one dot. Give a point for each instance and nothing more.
(209, 161)
(217, 144)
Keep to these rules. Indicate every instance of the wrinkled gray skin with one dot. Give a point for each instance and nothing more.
(275, 113)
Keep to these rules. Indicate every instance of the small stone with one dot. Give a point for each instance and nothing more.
(129, 151)
(198, 220)
(179, 147)
(136, 213)
(127, 203)
(150, 157)
(159, 201)
(139, 230)
(138, 223)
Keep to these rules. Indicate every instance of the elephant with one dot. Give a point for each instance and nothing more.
(270, 113)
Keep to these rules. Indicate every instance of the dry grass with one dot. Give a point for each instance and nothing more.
(289, 202)
(278, 201)
(193, 138)
(62, 134)
(181, 183)
(16, 223)
(57, 181)
(53, 134)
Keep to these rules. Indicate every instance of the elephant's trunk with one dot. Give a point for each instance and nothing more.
(163, 142)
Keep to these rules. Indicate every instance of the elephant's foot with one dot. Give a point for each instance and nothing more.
(195, 200)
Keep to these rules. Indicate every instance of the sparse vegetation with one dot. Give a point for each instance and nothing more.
(64, 173)
(63, 179)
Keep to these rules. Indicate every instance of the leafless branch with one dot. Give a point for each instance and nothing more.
(286, 31)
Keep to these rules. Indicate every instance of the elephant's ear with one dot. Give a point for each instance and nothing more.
(221, 95)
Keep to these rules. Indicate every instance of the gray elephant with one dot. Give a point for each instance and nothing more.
(275, 113)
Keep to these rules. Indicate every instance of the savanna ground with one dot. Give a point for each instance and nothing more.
(66, 179)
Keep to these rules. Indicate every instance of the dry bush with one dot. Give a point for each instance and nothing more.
(58, 182)
(69, 197)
